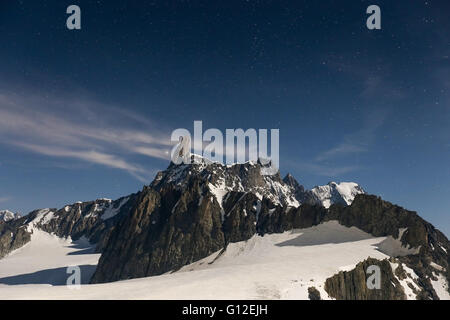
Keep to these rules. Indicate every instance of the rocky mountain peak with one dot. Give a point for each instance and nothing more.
(221, 179)
(292, 182)
(6, 215)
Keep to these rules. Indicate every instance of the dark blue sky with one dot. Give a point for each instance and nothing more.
(88, 113)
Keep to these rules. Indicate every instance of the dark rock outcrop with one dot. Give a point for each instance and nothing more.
(166, 230)
(13, 235)
(301, 194)
(381, 218)
(313, 293)
(352, 285)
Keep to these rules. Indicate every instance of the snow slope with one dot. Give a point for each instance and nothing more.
(44, 260)
(276, 266)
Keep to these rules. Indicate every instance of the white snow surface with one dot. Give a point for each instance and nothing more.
(440, 286)
(43, 261)
(276, 266)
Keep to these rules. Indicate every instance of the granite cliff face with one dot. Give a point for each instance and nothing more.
(351, 285)
(192, 211)
(13, 235)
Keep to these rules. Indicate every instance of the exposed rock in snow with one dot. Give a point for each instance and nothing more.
(408, 280)
(112, 209)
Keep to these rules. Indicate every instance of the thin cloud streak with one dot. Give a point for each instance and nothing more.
(4, 199)
(87, 132)
(339, 159)
(344, 148)
(358, 141)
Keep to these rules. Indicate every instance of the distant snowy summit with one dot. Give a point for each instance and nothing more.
(344, 193)
(339, 193)
(6, 215)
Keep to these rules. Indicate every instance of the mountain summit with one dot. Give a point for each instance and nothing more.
(6, 215)
(333, 192)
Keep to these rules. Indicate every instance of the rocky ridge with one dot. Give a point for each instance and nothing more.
(93, 220)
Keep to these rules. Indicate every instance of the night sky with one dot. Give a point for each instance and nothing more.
(88, 113)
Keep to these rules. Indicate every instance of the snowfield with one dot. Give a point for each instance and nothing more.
(277, 266)
(45, 260)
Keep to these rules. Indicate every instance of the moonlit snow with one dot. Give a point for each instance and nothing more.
(275, 266)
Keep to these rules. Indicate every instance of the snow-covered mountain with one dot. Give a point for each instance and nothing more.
(6, 215)
(343, 193)
(227, 231)
(333, 192)
(91, 219)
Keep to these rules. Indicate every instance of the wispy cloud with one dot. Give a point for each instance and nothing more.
(339, 159)
(343, 149)
(4, 199)
(81, 129)
(358, 141)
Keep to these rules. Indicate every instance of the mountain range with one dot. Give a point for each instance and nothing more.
(209, 219)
